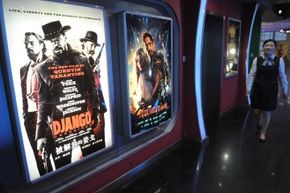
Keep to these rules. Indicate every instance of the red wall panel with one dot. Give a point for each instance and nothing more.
(229, 86)
(228, 8)
(228, 93)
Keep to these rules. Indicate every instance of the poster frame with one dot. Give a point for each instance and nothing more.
(228, 72)
(123, 41)
(12, 103)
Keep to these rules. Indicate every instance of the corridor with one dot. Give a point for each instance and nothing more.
(232, 162)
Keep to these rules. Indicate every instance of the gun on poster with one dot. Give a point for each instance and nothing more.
(44, 157)
(96, 67)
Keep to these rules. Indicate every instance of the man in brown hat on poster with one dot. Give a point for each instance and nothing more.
(88, 45)
(67, 101)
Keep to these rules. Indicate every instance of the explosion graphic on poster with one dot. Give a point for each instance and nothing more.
(149, 70)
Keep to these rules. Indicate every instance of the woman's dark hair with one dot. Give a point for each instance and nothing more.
(269, 40)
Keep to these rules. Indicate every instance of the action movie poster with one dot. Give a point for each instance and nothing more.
(233, 47)
(57, 63)
(149, 70)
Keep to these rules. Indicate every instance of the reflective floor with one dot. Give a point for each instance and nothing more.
(232, 162)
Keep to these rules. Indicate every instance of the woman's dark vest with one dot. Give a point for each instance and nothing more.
(266, 76)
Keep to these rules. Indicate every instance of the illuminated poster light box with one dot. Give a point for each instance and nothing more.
(58, 76)
(148, 41)
(233, 47)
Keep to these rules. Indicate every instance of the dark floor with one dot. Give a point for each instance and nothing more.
(232, 162)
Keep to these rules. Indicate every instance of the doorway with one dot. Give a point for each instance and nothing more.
(211, 66)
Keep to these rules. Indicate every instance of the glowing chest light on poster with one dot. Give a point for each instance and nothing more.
(57, 65)
(149, 54)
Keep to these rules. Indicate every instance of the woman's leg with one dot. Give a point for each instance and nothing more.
(265, 120)
(258, 114)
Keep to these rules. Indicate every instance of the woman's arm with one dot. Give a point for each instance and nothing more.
(251, 76)
(283, 77)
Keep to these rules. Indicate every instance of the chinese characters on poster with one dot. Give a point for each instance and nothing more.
(149, 54)
(58, 66)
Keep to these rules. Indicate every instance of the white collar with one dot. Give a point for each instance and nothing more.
(269, 57)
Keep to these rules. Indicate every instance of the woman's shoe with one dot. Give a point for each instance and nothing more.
(262, 140)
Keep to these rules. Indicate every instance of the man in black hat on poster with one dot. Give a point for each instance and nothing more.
(88, 45)
(67, 100)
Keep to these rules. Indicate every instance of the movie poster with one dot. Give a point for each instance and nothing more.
(282, 49)
(233, 47)
(149, 70)
(57, 64)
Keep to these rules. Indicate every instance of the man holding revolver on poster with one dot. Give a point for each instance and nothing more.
(67, 100)
(35, 48)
